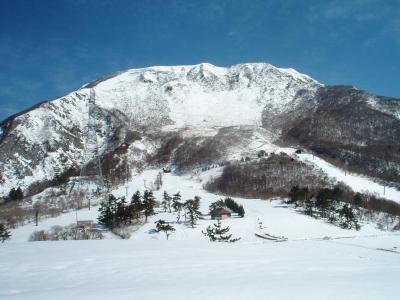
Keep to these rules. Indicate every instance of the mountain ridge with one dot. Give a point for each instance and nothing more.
(175, 98)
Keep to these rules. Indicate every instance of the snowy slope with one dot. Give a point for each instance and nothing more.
(350, 265)
(202, 94)
(357, 182)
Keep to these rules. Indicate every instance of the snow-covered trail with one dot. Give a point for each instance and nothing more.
(357, 182)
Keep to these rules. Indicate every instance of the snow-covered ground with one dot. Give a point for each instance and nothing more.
(357, 182)
(349, 265)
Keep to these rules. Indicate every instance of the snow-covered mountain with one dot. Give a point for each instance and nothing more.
(200, 95)
(204, 95)
(150, 109)
(234, 131)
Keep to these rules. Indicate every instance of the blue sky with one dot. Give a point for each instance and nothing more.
(51, 47)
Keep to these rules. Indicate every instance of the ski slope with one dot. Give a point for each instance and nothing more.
(319, 260)
(357, 182)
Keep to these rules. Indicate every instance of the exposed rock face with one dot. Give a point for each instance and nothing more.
(190, 111)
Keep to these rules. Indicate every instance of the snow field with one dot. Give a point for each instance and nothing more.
(119, 269)
(349, 265)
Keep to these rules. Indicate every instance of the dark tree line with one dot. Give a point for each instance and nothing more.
(328, 204)
(342, 193)
(266, 177)
(116, 212)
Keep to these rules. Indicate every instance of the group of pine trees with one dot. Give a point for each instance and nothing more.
(116, 212)
(4, 233)
(190, 208)
(327, 204)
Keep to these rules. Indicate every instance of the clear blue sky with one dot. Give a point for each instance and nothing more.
(51, 47)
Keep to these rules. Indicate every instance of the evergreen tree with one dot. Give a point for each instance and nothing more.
(121, 212)
(114, 212)
(15, 194)
(136, 205)
(357, 200)
(294, 194)
(309, 207)
(177, 205)
(106, 216)
(216, 204)
(234, 206)
(241, 211)
(166, 203)
(261, 153)
(323, 203)
(216, 233)
(192, 210)
(4, 233)
(348, 218)
(149, 203)
(337, 193)
(161, 225)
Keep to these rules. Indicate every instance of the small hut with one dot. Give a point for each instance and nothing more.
(220, 213)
